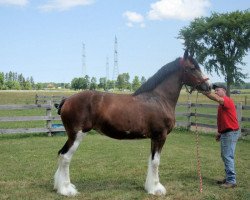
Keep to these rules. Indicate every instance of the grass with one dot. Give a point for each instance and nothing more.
(103, 168)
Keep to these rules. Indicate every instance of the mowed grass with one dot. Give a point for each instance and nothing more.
(104, 168)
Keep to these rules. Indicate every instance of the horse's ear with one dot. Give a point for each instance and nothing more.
(185, 54)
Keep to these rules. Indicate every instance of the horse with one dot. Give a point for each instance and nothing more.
(149, 112)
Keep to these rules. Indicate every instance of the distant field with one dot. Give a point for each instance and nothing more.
(244, 97)
(28, 97)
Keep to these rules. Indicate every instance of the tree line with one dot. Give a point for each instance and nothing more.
(122, 83)
(15, 81)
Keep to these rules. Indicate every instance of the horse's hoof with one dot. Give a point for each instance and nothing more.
(158, 190)
(69, 190)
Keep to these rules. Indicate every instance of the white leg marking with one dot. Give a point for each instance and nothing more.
(62, 178)
(153, 185)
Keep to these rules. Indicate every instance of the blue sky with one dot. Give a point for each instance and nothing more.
(44, 38)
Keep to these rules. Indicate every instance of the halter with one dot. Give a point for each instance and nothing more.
(195, 86)
(196, 82)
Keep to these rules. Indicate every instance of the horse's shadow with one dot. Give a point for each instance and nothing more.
(94, 185)
(190, 177)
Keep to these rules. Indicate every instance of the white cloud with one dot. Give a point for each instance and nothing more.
(14, 2)
(134, 18)
(178, 9)
(61, 5)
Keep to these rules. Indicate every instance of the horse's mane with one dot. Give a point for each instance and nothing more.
(158, 77)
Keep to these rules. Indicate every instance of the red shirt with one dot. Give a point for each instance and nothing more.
(227, 116)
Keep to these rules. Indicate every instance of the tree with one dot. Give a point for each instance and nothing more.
(1, 80)
(75, 84)
(80, 83)
(123, 81)
(39, 86)
(220, 42)
(110, 84)
(13, 85)
(102, 83)
(93, 84)
(27, 85)
(32, 82)
(86, 82)
(136, 83)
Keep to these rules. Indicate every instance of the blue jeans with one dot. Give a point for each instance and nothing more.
(228, 144)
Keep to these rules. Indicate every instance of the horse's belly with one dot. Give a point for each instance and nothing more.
(114, 132)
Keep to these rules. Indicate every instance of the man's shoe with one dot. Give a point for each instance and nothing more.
(221, 182)
(228, 185)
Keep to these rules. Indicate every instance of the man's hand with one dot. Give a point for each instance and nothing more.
(206, 92)
(217, 137)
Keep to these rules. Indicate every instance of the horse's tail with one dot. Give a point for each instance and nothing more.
(59, 106)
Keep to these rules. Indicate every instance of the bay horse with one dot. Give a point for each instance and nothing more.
(147, 113)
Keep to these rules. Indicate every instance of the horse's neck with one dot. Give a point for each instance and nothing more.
(169, 89)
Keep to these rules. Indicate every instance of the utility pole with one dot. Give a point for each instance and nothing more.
(84, 70)
(107, 68)
(107, 73)
(116, 69)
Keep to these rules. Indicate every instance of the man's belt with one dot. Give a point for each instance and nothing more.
(229, 130)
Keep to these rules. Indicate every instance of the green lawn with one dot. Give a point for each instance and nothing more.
(105, 168)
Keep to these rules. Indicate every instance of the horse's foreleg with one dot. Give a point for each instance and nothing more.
(62, 178)
(153, 185)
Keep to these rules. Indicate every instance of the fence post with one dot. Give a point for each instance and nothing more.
(36, 99)
(189, 115)
(49, 114)
(239, 115)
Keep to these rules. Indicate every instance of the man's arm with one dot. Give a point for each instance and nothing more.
(214, 97)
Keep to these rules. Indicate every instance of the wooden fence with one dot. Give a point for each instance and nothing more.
(41, 99)
(48, 118)
(190, 113)
(187, 122)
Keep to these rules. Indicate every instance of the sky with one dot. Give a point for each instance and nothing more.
(44, 38)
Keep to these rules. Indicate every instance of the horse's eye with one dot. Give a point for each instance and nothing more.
(192, 68)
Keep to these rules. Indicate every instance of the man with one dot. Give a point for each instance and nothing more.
(228, 132)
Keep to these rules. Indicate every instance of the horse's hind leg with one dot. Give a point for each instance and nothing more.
(62, 178)
(153, 185)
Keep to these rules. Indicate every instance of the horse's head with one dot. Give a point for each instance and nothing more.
(192, 74)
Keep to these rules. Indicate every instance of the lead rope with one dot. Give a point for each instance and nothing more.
(197, 146)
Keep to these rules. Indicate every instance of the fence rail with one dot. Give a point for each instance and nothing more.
(48, 118)
(40, 99)
(239, 108)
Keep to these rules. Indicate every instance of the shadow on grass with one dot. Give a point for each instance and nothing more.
(190, 177)
(91, 185)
